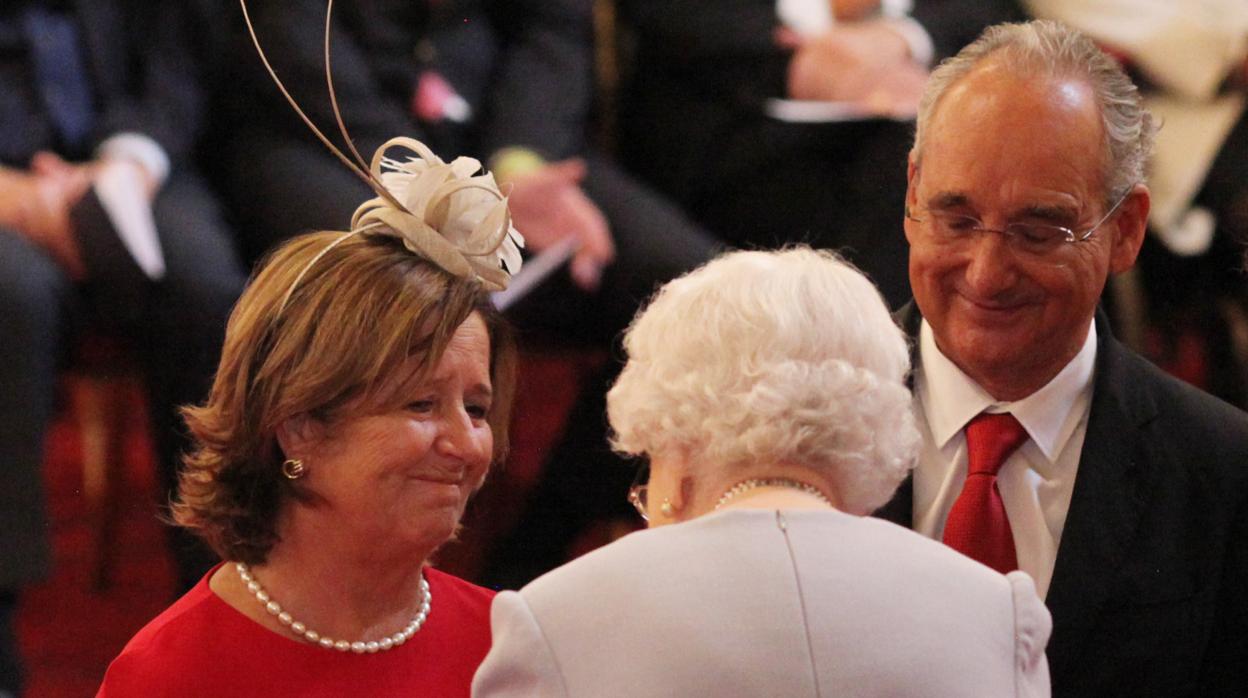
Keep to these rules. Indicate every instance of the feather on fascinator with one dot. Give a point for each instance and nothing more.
(451, 214)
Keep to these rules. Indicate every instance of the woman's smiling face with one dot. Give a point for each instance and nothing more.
(404, 476)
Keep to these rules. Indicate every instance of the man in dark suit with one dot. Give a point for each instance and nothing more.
(468, 77)
(1048, 446)
(720, 111)
(103, 223)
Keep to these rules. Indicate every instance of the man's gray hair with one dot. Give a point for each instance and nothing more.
(1047, 48)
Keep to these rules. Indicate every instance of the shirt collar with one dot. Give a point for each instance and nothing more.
(950, 399)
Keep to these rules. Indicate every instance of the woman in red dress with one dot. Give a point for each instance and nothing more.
(363, 393)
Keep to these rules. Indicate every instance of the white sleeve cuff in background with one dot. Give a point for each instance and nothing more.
(921, 48)
(139, 148)
(896, 8)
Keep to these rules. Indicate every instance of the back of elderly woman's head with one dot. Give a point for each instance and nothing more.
(761, 358)
(327, 335)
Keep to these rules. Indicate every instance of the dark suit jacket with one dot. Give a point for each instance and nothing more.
(138, 66)
(713, 65)
(1150, 590)
(693, 123)
(525, 66)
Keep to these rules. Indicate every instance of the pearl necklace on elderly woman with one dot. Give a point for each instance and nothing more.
(312, 636)
(754, 483)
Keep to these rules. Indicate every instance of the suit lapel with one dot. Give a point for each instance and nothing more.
(1105, 508)
(1108, 500)
(900, 509)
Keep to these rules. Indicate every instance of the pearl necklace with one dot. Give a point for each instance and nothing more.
(303, 631)
(754, 483)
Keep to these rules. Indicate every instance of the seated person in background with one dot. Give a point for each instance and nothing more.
(487, 76)
(767, 390)
(363, 393)
(1190, 60)
(1122, 491)
(536, 127)
(470, 76)
(779, 121)
(103, 225)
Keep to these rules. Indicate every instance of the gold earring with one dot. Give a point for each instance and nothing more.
(293, 468)
(666, 508)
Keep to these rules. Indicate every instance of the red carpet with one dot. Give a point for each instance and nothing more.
(69, 633)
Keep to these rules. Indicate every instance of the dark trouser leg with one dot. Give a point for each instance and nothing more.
(281, 188)
(182, 339)
(10, 658)
(35, 301)
(583, 481)
(836, 186)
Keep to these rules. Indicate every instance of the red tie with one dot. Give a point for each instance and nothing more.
(977, 526)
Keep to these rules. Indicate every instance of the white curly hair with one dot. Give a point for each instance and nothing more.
(761, 358)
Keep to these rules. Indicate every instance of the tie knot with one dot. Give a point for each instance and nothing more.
(990, 439)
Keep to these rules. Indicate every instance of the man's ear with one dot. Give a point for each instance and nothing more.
(1131, 225)
(299, 435)
(912, 172)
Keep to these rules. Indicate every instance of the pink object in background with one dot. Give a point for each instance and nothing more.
(436, 100)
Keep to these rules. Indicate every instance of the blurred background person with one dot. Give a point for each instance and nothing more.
(513, 83)
(1190, 61)
(773, 122)
(550, 103)
(363, 393)
(767, 122)
(767, 391)
(464, 76)
(104, 224)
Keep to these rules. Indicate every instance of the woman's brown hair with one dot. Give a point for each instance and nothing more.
(321, 348)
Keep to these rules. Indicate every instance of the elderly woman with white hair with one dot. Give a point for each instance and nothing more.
(768, 392)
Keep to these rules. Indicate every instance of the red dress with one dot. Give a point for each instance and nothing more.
(201, 646)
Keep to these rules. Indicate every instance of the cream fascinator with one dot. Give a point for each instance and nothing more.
(451, 214)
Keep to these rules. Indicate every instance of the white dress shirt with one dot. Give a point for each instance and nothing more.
(1035, 482)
